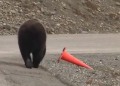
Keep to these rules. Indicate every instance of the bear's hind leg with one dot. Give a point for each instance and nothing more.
(28, 62)
(37, 57)
(27, 59)
(44, 52)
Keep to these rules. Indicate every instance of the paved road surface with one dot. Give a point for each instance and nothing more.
(85, 43)
(13, 73)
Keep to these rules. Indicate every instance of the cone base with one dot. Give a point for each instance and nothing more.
(61, 55)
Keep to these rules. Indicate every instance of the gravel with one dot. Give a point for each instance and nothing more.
(105, 70)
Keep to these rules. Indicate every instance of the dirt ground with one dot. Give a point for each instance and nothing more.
(61, 16)
(105, 71)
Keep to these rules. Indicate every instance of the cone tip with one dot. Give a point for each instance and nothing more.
(88, 67)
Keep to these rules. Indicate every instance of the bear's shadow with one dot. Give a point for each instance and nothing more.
(11, 64)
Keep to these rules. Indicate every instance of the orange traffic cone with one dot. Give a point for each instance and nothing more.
(67, 57)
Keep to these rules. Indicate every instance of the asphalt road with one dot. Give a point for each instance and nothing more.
(82, 43)
(13, 72)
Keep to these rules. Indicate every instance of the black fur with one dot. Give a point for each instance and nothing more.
(32, 39)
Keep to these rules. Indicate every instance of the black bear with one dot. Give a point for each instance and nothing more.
(32, 39)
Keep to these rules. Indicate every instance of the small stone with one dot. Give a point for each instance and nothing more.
(117, 3)
(42, 10)
(119, 12)
(13, 11)
(63, 4)
(91, 5)
(89, 81)
(4, 24)
(58, 24)
(52, 33)
(53, 13)
(20, 10)
(116, 58)
(112, 15)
